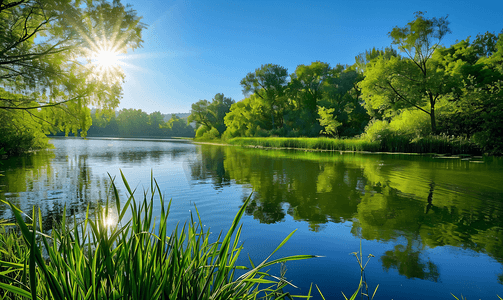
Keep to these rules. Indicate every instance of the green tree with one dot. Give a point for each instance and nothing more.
(179, 127)
(476, 109)
(133, 122)
(211, 114)
(218, 108)
(269, 82)
(156, 124)
(47, 48)
(200, 114)
(328, 121)
(306, 88)
(247, 117)
(413, 81)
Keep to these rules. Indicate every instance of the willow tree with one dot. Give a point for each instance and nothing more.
(412, 81)
(56, 61)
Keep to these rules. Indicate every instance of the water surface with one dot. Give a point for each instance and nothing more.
(434, 225)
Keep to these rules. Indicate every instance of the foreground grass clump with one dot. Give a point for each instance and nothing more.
(391, 143)
(91, 259)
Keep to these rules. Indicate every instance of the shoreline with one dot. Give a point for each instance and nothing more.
(436, 155)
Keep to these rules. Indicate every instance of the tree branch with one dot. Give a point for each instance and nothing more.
(406, 100)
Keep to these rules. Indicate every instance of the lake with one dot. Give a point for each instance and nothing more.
(434, 225)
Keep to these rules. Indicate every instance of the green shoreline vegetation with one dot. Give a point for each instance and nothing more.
(427, 145)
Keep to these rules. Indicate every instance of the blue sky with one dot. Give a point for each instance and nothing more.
(195, 49)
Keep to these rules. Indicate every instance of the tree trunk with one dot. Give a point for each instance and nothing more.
(433, 121)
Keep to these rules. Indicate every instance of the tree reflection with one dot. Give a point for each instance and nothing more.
(33, 181)
(385, 199)
(409, 264)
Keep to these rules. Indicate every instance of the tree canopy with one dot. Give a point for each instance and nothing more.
(413, 81)
(48, 72)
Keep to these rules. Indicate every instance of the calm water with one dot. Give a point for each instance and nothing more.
(435, 226)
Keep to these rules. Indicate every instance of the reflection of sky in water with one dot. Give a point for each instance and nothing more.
(410, 211)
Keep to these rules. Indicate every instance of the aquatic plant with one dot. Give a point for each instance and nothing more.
(384, 143)
(133, 259)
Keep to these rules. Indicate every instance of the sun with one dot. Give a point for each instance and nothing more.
(106, 58)
(105, 63)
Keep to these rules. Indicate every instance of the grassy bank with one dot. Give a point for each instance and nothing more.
(134, 259)
(431, 144)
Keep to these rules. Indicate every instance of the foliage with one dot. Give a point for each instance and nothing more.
(20, 133)
(308, 143)
(268, 83)
(476, 110)
(137, 123)
(45, 63)
(412, 82)
(246, 117)
(328, 121)
(211, 114)
(94, 259)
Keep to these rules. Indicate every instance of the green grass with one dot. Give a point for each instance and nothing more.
(307, 143)
(135, 259)
(430, 144)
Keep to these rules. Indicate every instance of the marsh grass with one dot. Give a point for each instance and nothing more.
(134, 259)
(391, 143)
(308, 143)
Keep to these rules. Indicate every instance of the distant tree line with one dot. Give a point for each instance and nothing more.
(137, 123)
(419, 89)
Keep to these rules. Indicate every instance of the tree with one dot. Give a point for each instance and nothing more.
(179, 127)
(306, 88)
(200, 114)
(218, 108)
(211, 114)
(247, 117)
(412, 81)
(476, 111)
(328, 121)
(156, 124)
(47, 49)
(269, 83)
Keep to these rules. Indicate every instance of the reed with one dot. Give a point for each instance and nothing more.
(390, 143)
(133, 259)
(308, 143)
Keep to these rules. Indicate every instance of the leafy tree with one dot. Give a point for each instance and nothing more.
(156, 124)
(179, 127)
(362, 59)
(133, 122)
(211, 114)
(200, 114)
(476, 110)
(306, 88)
(269, 83)
(247, 117)
(46, 53)
(218, 108)
(413, 81)
(328, 121)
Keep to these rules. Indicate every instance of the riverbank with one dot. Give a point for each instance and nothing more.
(433, 145)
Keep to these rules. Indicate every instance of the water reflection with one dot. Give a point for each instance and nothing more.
(408, 204)
(431, 202)
(74, 174)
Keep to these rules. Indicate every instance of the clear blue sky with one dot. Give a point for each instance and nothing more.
(195, 49)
